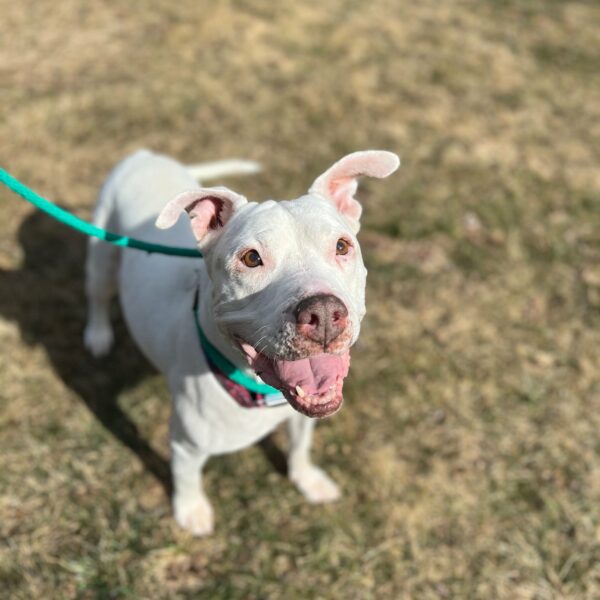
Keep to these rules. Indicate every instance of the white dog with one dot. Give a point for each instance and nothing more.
(280, 292)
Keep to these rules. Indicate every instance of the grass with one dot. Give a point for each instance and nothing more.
(468, 447)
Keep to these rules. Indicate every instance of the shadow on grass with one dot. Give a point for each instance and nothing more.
(46, 298)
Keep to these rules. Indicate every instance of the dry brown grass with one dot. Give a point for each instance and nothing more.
(468, 448)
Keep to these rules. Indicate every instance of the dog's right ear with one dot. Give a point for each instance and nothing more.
(209, 210)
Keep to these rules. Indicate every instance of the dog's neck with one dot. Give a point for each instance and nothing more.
(212, 333)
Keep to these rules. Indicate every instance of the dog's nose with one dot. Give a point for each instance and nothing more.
(321, 318)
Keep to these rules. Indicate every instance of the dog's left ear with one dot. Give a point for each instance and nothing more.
(340, 181)
(209, 210)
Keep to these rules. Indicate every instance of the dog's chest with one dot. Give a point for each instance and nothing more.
(217, 423)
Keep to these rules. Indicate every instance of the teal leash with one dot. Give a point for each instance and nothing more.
(70, 220)
(66, 218)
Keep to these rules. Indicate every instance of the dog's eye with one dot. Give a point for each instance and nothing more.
(251, 258)
(342, 246)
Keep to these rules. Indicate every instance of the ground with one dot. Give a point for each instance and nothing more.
(468, 447)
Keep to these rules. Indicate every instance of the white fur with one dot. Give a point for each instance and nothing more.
(297, 239)
(223, 168)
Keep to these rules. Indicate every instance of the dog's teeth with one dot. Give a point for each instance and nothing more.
(300, 391)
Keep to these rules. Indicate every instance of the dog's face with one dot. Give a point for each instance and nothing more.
(273, 256)
(288, 277)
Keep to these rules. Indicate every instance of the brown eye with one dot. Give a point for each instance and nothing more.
(342, 246)
(251, 258)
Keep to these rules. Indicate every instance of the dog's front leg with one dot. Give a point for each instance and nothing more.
(191, 507)
(314, 484)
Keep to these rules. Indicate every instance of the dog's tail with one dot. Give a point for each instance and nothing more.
(222, 168)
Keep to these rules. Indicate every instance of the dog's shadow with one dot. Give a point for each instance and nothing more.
(46, 298)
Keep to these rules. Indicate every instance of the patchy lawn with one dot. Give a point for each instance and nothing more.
(469, 447)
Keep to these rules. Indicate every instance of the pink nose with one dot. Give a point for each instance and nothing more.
(321, 318)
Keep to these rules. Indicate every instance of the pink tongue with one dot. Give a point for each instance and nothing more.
(314, 375)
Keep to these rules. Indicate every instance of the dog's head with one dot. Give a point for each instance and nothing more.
(288, 277)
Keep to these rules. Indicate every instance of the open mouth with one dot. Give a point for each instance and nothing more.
(312, 385)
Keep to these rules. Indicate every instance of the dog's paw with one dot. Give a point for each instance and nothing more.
(315, 485)
(194, 516)
(98, 339)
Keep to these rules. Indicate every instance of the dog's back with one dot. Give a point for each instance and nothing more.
(136, 191)
(133, 195)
